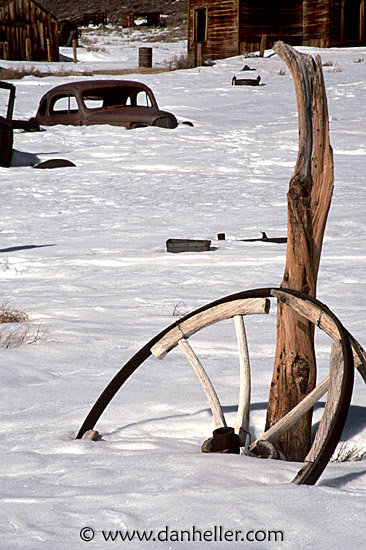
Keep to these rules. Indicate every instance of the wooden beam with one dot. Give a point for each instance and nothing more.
(206, 318)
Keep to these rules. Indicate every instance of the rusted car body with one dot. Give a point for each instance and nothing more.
(116, 102)
(7, 94)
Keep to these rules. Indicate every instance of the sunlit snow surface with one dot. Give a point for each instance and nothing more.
(105, 285)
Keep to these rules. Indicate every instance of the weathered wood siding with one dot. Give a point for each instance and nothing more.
(236, 26)
(316, 23)
(222, 34)
(278, 20)
(27, 32)
(335, 23)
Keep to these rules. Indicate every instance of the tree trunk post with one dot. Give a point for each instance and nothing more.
(308, 202)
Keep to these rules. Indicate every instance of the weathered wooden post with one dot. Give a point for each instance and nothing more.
(74, 50)
(262, 47)
(308, 201)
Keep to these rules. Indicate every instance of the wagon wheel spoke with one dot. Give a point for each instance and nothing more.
(273, 434)
(206, 383)
(241, 426)
(346, 352)
(179, 336)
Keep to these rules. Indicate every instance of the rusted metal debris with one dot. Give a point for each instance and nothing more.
(115, 102)
(245, 81)
(223, 440)
(266, 239)
(54, 163)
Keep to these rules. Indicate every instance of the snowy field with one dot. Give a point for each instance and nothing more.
(99, 284)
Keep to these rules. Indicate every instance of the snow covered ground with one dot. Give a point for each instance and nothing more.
(99, 284)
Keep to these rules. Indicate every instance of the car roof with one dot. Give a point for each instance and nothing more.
(83, 85)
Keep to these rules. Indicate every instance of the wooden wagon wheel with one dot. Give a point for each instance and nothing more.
(346, 353)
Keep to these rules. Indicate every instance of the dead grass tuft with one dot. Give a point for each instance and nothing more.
(21, 72)
(9, 314)
(345, 453)
(24, 333)
(179, 62)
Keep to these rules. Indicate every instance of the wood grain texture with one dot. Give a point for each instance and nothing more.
(26, 27)
(206, 383)
(324, 321)
(206, 318)
(241, 425)
(280, 428)
(308, 202)
(334, 394)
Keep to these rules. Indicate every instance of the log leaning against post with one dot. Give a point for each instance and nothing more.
(308, 201)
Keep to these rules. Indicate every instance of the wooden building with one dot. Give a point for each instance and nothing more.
(27, 32)
(225, 28)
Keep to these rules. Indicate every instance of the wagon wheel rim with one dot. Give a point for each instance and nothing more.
(318, 458)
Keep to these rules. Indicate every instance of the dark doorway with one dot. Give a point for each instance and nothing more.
(353, 20)
(201, 25)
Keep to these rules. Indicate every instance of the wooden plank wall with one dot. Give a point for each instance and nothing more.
(279, 20)
(316, 23)
(335, 23)
(27, 32)
(236, 26)
(222, 28)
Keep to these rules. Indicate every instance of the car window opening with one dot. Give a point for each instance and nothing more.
(64, 104)
(116, 97)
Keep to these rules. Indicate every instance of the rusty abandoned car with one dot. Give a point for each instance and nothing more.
(116, 102)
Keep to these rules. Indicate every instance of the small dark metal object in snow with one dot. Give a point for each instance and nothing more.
(247, 68)
(223, 440)
(266, 239)
(245, 81)
(23, 247)
(187, 245)
(54, 163)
